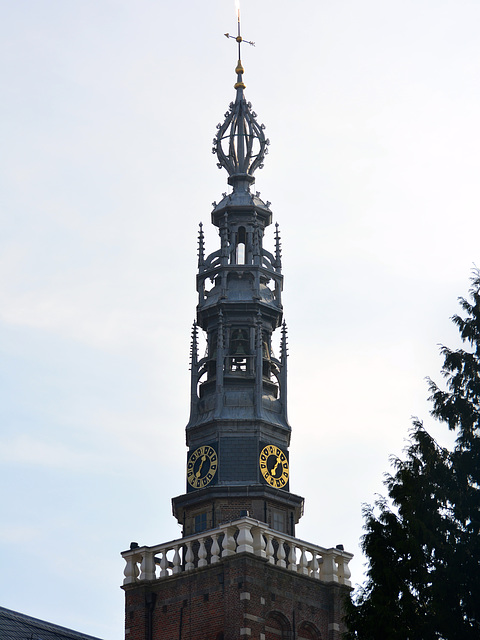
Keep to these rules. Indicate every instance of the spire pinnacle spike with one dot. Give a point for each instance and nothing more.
(284, 342)
(201, 246)
(278, 248)
(194, 346)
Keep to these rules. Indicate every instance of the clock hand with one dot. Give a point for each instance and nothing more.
(204, 457)
(274, 469)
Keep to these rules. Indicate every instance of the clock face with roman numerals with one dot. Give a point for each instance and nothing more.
(202, 466)
(274, 466)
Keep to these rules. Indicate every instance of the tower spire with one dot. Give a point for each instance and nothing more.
(238, 391)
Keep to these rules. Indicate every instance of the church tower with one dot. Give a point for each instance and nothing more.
(238, 571)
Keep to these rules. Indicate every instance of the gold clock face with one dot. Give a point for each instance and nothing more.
(274, 466)
(202, 466)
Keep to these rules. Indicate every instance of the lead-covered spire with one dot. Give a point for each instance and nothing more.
(238, 410)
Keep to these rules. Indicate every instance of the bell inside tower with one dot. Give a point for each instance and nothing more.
(239, 352)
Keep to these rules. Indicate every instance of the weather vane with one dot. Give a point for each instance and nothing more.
(239, 38)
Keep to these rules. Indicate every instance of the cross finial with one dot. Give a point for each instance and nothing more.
(239, 69)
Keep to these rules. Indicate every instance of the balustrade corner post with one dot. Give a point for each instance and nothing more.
(189, 557)
(343, 570)
(131, 571)
(147, 567)
(329, 567)
(215, 550)
(229, 544)
(259, 543)
(245, 538)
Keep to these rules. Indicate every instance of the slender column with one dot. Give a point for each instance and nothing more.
(194, 372)
(283, 369)
(223, 231)
(258, 367)
(220, 364)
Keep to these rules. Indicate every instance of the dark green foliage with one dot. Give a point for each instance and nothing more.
(423, 543)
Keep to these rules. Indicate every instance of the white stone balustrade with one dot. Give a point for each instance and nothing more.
(245, 535)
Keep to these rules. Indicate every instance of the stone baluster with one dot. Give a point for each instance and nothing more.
(164, 564)
(314, 566)
(147, 567)
(281, 555)
(189, 557)
(303, 564)
(228, 542)
(343, 570)
(215, 549)
(258, 542)
(131, 570)
(202, 553)
(177, 560)
(292, 558)
(329, 567)
(270, 550)
(245, 538)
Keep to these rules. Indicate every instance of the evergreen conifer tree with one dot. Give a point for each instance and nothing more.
(423, 542)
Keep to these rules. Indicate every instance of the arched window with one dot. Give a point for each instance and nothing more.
(308, 631)
(241, 246)
(277, 627)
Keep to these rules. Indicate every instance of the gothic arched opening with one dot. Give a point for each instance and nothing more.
(277, 627)
(308, 631)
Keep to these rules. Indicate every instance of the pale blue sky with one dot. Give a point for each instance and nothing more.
(107, 114)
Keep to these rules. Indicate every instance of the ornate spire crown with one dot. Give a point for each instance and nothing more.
(240, 142)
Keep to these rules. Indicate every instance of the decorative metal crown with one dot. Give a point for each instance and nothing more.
(240, 143)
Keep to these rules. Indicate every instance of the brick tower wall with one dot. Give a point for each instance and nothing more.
(242, 596)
